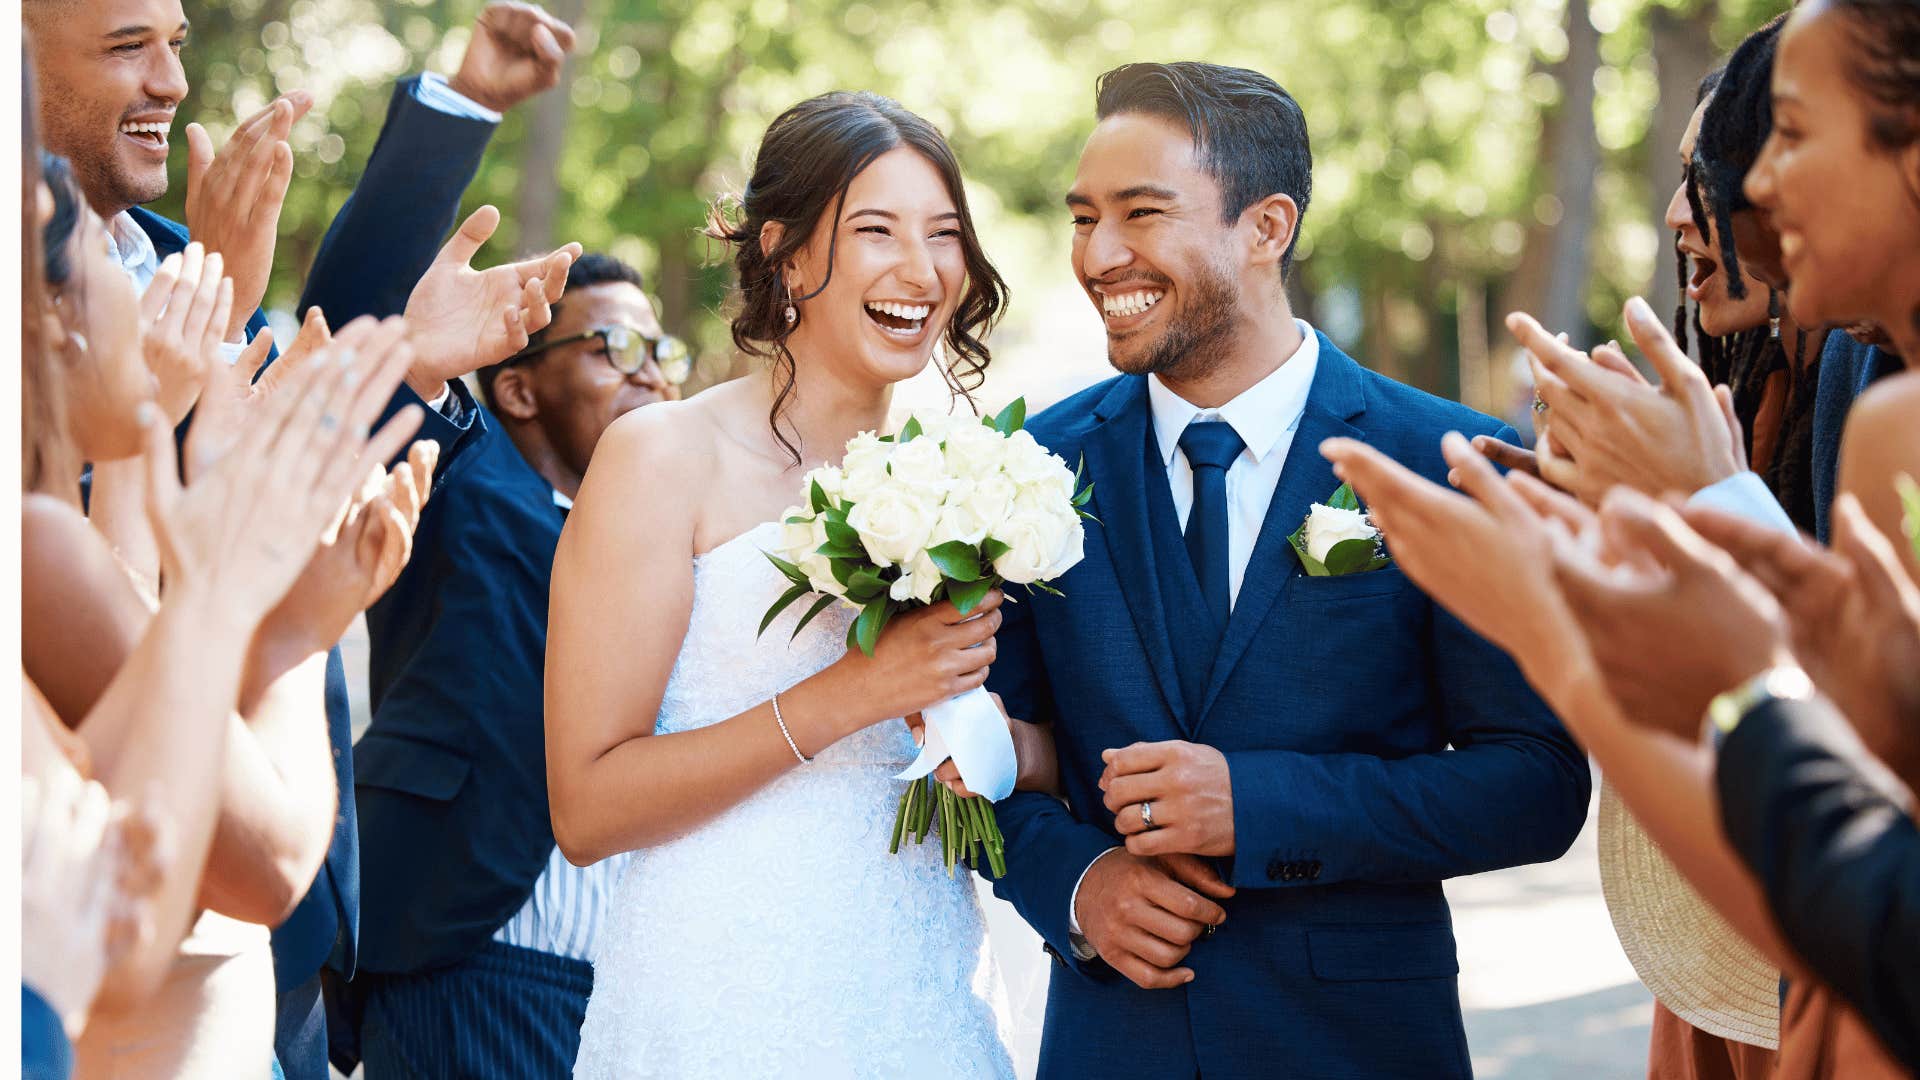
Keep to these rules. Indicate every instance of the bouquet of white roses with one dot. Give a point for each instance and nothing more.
(947, 510)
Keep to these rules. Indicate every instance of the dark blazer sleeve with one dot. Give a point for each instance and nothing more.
(44, 1051)
(1047, 848)
(1818, 820)
(388, 231)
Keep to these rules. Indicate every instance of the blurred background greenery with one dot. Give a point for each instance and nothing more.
(1471, 156)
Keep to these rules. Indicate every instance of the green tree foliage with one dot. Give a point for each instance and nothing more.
(1426, 118)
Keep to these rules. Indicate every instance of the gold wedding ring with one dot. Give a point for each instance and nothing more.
(1146, 815)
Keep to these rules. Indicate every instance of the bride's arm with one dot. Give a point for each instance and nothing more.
(622, 596)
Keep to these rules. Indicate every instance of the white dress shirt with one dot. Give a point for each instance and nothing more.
(1746, 495)
(1265, 416)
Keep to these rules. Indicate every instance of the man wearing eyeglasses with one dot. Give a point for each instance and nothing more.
(477, 933)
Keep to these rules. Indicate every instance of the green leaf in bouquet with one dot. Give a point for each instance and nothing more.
(842, 551)
(786, 600)
(991, 550)
(865, 585)
(1012, 418)
(1910, 504)
(788, 570)
(1344, 498)
(843, 569)
(865, 630)
(819, 606)
(957, 561)
(841, 534)
(817, 497)
(912, 431)
(966, 595)
(1085, 497)
(797, 519)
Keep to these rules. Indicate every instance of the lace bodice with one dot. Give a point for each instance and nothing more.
(781, 939)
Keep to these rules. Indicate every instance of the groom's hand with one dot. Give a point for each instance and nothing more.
(1191, 791)
(1142, 915)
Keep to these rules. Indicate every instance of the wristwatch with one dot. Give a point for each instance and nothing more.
(1785, 682)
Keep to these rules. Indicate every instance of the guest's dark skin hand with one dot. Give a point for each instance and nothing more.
(1611, 430)
(1142, 914)
(516, 52)
(1191, 790)
(1674, 621)
(1854, 613)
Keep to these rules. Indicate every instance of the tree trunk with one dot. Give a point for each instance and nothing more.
(1682, 52)
(1576, 162)
(545, 142)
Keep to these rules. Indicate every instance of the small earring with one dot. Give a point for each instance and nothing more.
(1773, 314)
(79, 340)
(791, 314)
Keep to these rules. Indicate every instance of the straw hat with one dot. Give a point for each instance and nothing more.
(1692, 961)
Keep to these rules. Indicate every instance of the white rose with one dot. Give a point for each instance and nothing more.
(832, 482)
(974, 450)
(865, 466)
(800, 544)
(1075, 550)
(1037, 541)
(917, 583)
(975, 508)
(1329, 525)
(1030, 463)
(894, 523)
(921, 466)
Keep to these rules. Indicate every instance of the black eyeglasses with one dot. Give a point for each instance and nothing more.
(628, 350)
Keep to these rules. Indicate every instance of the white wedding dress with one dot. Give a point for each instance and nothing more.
(781, 939)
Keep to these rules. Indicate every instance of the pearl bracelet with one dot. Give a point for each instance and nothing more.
(788, 735)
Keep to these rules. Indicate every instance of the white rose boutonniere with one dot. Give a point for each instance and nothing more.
(1337, 539)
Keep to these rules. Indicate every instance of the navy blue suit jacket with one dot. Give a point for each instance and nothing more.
(1847, 368)
(381, 241)
(452, 781)
(1335, 701)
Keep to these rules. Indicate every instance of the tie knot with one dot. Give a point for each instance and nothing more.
(1211, 444)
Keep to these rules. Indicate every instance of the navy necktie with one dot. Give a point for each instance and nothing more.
(1211, 447)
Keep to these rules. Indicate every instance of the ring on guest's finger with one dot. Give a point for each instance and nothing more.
(1539, 404)
(329, 422)
(1146, 815)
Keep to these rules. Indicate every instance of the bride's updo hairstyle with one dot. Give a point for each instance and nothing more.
(806, 161)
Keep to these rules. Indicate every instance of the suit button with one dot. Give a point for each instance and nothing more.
(1288, 872)
(1313, 869)
(1273, 870)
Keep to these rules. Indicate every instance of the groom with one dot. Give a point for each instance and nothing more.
(1267, 774)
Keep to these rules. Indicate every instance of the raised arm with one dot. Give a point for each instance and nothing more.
(622, 597)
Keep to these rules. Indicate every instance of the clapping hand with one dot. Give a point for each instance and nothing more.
(516, 52)
(464, 319)
(1617, 429)
(234, 197)
(355, 564)
(249, 522)
(1854, 614)
(183, 317)
(235, 390)
(1670, 620)
(1190, 790)
(88, 871)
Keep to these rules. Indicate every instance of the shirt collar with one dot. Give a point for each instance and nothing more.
(1260, 415)
(561, 500)
(132, 247)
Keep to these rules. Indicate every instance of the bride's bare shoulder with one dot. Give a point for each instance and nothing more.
(668, 454)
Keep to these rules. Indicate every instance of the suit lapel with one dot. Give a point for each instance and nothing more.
(1306, 478)
(1116, 465)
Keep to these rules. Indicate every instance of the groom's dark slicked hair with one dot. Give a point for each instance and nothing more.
(1249, 131)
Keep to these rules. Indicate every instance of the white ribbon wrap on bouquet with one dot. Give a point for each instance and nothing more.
(972, 731)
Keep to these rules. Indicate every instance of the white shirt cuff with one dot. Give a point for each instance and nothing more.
(439, 402)
(231, 352)
(1083, 949)
(1745, 495)
(434, 93)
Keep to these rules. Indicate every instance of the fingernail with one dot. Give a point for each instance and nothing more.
(1638, 309)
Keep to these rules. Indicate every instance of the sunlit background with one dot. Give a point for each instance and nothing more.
(1471, 157)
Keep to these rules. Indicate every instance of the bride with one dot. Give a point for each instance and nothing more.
(762, 928)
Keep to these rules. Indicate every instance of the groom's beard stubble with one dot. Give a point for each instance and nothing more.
(1195, 338)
